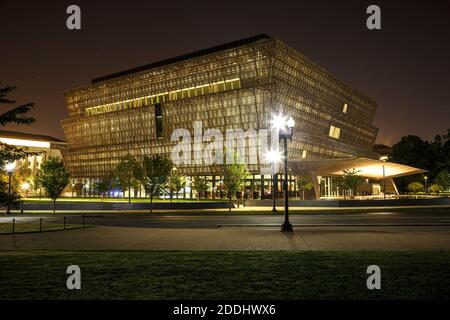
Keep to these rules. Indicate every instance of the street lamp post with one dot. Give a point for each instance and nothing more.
(273, 156)
(274, 185)
(426, 184)
(9, 169)
(285, 135)
(285, 132)
(384, 159)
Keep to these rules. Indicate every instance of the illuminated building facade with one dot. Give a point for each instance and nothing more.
(238, 85)
(45, 147)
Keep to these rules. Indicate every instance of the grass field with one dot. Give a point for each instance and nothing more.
(225, 275)
(124, 200)
(6, 228)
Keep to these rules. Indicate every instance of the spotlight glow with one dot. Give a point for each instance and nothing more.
(10, 166)
(25, 186)
(279, 122)
(273, 156)
(290, 123)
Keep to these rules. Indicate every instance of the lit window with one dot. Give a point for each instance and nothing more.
(304, 154)
(344, 109)
(158, 120)
(167, 96)
(335, 132)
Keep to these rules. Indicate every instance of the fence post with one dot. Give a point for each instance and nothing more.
(21, 207)
(14, 225)
(40, 225)
(64, 222)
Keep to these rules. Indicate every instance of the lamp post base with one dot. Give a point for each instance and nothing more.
(274, 210)
(287, 227)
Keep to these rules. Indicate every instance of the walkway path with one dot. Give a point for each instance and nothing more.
(223, 239)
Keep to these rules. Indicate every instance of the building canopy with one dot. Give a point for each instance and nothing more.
(369, 168)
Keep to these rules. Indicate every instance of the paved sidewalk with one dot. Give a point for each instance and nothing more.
(234, 239)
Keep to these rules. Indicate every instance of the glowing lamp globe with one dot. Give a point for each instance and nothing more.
(290, 123)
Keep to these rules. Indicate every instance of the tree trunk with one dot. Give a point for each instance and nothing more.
(171, 196)
(229, 204)
(303, 194)
(151, 203)
(129, 194)
(54, 206)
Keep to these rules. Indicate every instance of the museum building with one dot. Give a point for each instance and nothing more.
(238, 85)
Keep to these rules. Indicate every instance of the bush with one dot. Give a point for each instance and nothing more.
(436, 188)
(415, 187)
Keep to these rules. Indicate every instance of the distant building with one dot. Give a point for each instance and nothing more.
(47, 147)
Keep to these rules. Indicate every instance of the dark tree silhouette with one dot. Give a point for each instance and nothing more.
(9, 153)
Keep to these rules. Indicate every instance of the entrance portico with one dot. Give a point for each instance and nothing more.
(325, 174)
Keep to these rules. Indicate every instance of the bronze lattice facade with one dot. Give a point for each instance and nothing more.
(236, 85)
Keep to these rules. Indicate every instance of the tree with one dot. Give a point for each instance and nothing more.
(415, 187)
(436, 188)
(36, 183)
(234, 180)
(18, 114)
(443, 179)
(102, 186)
(433, 156)
(304, 184)
(126, 173)
(10, 153)
(350, 180)
(411, 151)
(21, 174)
(54, 178)
(176, 182)
(155, 172)
(200, 185)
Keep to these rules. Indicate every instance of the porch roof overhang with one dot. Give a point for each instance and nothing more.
(368, 168)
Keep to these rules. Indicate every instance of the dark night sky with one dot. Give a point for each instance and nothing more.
(405, 67)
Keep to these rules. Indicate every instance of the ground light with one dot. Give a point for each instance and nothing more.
(285, 126)
(25, 186)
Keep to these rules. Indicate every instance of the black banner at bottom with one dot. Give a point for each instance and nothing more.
(211, 309)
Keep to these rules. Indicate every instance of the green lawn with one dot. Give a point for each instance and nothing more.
(225, 275)
(6, 228)
(124, 200)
